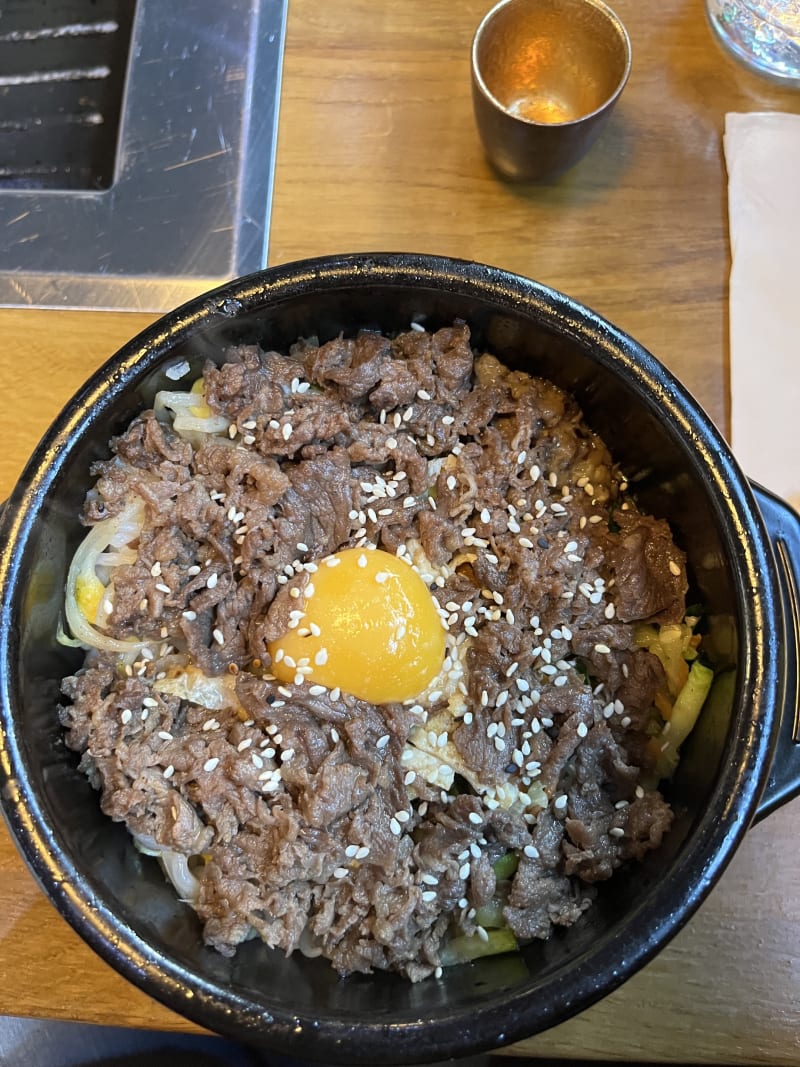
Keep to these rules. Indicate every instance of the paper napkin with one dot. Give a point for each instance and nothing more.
(762, 152)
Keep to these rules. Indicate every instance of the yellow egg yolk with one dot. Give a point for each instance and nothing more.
(369, 627)
(89, 592)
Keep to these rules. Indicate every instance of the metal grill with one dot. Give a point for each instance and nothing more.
(62, 76)
(136, 148)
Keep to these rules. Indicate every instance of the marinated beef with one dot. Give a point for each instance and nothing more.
(369, 833)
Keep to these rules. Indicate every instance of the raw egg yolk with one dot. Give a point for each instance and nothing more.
(370, 627)
(89, 592)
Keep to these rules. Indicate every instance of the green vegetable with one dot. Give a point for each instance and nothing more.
(685, 711)
(506, 866)
(465, 948)
(490, 915)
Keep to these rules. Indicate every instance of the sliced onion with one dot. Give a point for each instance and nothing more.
(184, 422)
(309, 944)
(121, 558)
(187, 424)
(191, 684)
(175, 401)
(111, 531)
(176, 868)
(175, 865)
(147, 844)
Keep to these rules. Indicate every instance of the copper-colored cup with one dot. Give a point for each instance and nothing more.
(545, 77)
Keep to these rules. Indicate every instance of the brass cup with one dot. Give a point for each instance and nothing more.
(545, 77)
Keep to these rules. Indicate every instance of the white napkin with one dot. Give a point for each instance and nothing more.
(762, 151)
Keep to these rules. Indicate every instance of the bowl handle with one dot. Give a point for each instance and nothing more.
(783, 525)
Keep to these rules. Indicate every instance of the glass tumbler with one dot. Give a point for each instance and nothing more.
(764, 34)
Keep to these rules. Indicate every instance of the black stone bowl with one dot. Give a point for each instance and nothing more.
(739, 763)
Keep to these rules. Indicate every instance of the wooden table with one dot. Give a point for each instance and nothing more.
(377, 150)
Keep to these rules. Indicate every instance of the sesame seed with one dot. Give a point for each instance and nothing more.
(340, 872)
(560, 803)
(402, 816)
(463, 872)
(165, 735)
(429, 896)
(211, 764)
(582, 730)
(395, 827)
(219, 637)
(244, 744)
(674, 568)
(169, 771)
(286, 431)
(150, 702)
(213, 578)
(320, 659)
(423, 394)
(531, 851)
(287, 755)
(362, 853)
(482, 933)
(616, 831)
(126, 716)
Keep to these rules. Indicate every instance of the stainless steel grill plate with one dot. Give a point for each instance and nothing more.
(189, 202)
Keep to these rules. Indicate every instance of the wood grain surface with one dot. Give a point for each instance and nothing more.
(377, 150)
